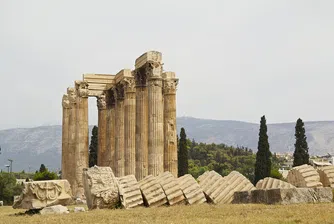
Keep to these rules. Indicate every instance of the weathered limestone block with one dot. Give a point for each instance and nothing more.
(79, 209)
(304, 176)
(223, 190)
(129, 192)
(207, 181)
(270, 183)
(152, 191)
(151, 56)
(171, 188)
(191, 190)
(327, 176)
(285, 196)
(56, 209)
(40, 194)
(101, 188)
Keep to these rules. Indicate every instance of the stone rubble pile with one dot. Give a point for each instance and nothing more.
(103, 190)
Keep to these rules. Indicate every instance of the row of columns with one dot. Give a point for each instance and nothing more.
(136, 125)
(75, 136)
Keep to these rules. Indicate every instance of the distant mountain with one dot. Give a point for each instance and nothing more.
(29, 147)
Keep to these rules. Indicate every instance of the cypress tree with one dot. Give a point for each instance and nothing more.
(93, 147)
(300, 156)
(263, 155)
(182, 155)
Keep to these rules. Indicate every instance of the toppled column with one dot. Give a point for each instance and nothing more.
(65, 160)
(191, 190)
(171, 188)
(130, 125)
(129, 192)
(233, 182)
(101, 188)
(304, 176)
(326, 176)
(271, 183)
(119, 133)
(170, 141)
(72, 140)
(102, 131)
(141, 146)
(81, 153)
(153, 194)
(207, 182)
(40, 194)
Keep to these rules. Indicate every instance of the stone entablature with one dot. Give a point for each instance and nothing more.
(137, 121)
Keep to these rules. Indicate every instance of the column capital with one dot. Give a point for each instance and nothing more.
(119, 91)
(170, 86)
(110, 97)
(72, 96)
(82, 88)
(129, 84)
(153, 70)
(66, 102)
(101, 102)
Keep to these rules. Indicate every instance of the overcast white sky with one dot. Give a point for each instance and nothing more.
(236, 59)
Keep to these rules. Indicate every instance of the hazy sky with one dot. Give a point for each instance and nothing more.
(236, 60)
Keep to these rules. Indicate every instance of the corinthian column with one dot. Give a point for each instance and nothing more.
(170, 146)
(156, 119)
(102, 131)
(119, 141)
(141, 145)
(81, 154)
(72, 140)
(110, 154)
(65, 137)
(130, 126)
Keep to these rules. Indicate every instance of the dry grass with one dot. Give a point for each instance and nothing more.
(245, 214)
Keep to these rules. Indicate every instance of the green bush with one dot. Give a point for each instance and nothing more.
(9, 188)
(274, 173)
(45, 175)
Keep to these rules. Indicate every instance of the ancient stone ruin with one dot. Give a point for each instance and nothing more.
(272, 183)
(327, 176)
(40, 194)
(304, 176)
(136, 122)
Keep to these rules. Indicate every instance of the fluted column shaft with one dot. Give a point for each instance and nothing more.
(65, 137)
(130, 127)
(170, 132)
(155, 127)
(72, 140)
(141, 124)
(119, 141)
(81, 154)
(102, 131)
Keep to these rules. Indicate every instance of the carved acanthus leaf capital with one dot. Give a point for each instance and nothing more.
(101, 102)
(170, 86)
(66, 102)
(140, 77)
(119, 91)
(155, 83)
(129, 84)
(72, 95)
(82, 88)
(153, 69)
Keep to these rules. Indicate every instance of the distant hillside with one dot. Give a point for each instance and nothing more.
(29, 147)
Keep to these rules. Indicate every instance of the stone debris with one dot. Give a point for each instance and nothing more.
(284, 196)
(40, 194)
(80, 201)
(152, 192)
(304, 176)
(171, 188)
(1, 203)
(79, 209)
(101, 189)
(270, 183)
(327, 176)
(191, 190)
(208, 182)
(52, 210)
(223, 190)
(129, 192)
